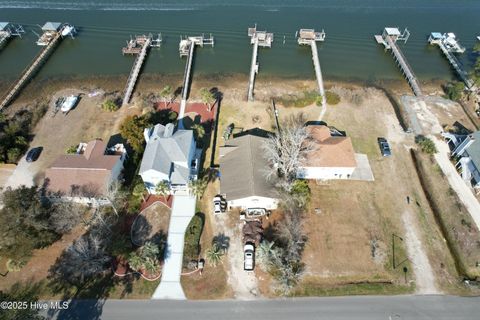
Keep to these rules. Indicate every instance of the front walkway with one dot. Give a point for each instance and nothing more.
(183, 209)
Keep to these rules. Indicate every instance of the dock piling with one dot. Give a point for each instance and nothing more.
(262, 39)
(310, 37)
(449, 45)
(53, 32)
(389, 39)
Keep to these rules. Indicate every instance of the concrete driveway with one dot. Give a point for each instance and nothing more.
(183, 209)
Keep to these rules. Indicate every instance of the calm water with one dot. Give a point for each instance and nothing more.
(348, 52)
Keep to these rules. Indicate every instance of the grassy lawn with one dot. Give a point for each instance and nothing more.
(460, 233)
(315, 287)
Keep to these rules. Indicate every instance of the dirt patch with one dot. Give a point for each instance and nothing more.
(151, 225)
(42, 259)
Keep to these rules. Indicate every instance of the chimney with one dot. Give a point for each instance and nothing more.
(169, 128)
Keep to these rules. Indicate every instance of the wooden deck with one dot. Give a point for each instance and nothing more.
(137, 66)
(29, 71)
(404, 66)
(457, 66)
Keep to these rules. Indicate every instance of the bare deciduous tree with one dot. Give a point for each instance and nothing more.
(286, 150)
(65, 216)
(84, 259)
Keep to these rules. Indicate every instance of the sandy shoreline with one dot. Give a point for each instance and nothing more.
(43, 88)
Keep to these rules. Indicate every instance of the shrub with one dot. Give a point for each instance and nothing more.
(426, 145)
(454, 90)
(332, 98)
(192, 239)
(301, 191)
(71, 149)
(110, 105)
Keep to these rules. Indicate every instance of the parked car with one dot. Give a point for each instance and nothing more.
(33, 154)
(384, 147)
(219, 204)
(249, 257)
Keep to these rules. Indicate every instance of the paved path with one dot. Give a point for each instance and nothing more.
(183, 209)
(333, 308)
(22, 175)
(456, 182)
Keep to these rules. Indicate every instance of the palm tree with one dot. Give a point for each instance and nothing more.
(166, 94)
(199, 131)
(208, 98)
(162, 188)
(197, 187)
(150, 250)
(214, 255)
(221, 241)
(135, 261)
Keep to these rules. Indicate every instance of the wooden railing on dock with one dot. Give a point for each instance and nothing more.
(404, 66)
(457, 66)
(186, 79)
(137, 66)
(253, 70)
(29, 71)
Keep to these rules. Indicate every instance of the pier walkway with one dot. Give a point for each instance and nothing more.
(29, 71)
(389, 39)
(186, 80)
(310, 37)
(405, 67)
(138, 46)
(187, 48)
(257, 39)
(449, 46)
(137, 65)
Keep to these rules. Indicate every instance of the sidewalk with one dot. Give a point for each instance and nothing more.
(183, 209)
(456, 182)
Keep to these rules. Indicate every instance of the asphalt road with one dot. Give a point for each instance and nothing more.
(334, 308)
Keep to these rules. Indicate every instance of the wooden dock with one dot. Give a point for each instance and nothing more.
(262, 39)
(186, 48)
(8, 30)
(139, 47)
(310, 37)
(449, 46)
(54, 38)
(389, 39)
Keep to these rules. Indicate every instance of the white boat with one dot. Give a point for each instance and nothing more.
(67, 30)
(69, 103)
(478, 38)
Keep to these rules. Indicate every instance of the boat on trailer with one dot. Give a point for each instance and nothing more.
(69, 103)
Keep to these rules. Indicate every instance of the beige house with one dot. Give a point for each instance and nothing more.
(88, 173)
(333, 156)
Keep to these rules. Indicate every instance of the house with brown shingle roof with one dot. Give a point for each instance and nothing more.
(89, 173)
(332, 157)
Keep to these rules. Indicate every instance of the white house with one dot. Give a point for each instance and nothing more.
(170, 156)
(466, 152)
(242, 169)
(333, 156)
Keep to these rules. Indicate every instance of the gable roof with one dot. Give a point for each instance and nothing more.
(51, 26)
(3, 25)
(329, 151)
(474, 150)
(91, 168)
(164, 153)
(243, 168)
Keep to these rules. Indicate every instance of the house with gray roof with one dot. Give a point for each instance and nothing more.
(466, 152)
(242, 169)
(170, 156)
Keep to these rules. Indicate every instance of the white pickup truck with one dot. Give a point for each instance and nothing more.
(249, 255)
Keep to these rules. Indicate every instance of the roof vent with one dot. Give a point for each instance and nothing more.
(168, 130)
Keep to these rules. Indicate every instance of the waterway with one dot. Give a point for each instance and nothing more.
(349, 51)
